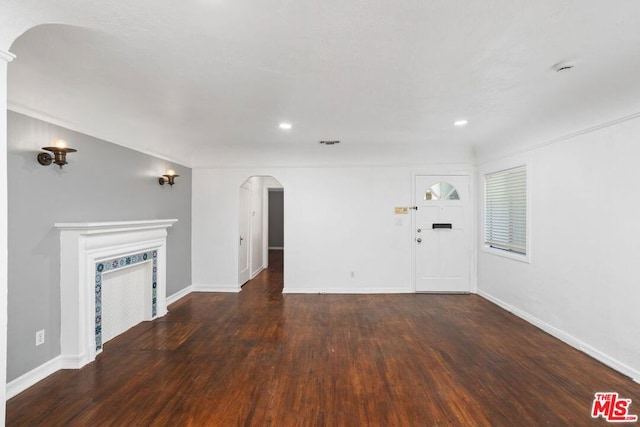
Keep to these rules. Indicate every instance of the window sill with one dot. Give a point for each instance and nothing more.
(506, 254)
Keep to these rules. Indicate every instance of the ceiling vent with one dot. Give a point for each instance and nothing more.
(562, 67)
(330, 142)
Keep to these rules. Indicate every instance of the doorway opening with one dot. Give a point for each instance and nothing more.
(261, 227)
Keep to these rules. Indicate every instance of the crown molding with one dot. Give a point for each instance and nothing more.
(7, 56)
(532, 147)
(44, 117)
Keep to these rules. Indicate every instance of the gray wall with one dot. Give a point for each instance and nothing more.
(276, 218)
(102, 182)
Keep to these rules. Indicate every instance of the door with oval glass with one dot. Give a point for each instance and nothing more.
(442, 235)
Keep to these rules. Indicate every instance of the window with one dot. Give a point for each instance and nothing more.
(442, 191)
(505, 210)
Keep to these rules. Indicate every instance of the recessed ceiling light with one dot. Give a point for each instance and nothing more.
(285, 126)
(460, 122)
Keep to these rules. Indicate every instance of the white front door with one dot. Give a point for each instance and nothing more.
(244, 262)
(442, 235)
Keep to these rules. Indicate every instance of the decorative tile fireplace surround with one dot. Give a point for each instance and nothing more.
(89, 251)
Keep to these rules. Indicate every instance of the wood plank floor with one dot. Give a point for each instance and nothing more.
(260, 358)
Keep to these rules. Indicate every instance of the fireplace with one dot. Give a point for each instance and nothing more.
(112, 276)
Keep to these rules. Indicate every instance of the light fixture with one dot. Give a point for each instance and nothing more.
(460, 123)
(59, 151)
(285, 126)
(169, 177)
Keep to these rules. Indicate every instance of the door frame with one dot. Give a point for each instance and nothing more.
(262, 192)
(245, 186)
(471, 173)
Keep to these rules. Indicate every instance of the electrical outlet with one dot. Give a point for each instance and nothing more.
(353, 274)
(40, 337)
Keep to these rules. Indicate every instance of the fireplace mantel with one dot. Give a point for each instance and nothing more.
(84, 246)
(114, 226)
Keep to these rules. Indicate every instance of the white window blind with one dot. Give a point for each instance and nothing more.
(505, 210)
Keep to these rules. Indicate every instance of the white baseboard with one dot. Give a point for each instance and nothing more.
(253, 275)
(22, 383)
(317, 290)
(276, 248)
(178, 295)
(215, 288)
(75, 361)
(567, 338)
(201, 288)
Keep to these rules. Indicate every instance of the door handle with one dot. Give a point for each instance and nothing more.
(241, 239)
(419, 240)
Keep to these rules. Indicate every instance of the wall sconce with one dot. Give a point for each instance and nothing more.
(169, 177)
(59, 151)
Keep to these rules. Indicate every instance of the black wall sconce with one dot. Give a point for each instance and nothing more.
(59, 151)
(169, 177)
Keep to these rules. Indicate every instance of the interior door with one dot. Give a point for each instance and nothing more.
(244, 261)
(442, 234)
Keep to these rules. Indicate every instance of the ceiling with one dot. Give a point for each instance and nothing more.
(207, 82)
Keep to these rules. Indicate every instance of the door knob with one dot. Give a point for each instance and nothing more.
(419, 240)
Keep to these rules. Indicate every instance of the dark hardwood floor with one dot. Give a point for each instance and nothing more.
(260, 358)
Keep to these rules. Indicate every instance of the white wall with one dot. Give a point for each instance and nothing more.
(582, 283)
(337, 220)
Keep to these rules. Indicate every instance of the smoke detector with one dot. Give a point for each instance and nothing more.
(334, 142)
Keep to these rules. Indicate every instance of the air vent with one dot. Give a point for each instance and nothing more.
(562, 67)
(330, 142)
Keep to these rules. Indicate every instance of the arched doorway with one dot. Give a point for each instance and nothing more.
(261, 225)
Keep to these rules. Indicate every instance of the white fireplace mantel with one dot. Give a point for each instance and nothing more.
(85, 249)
